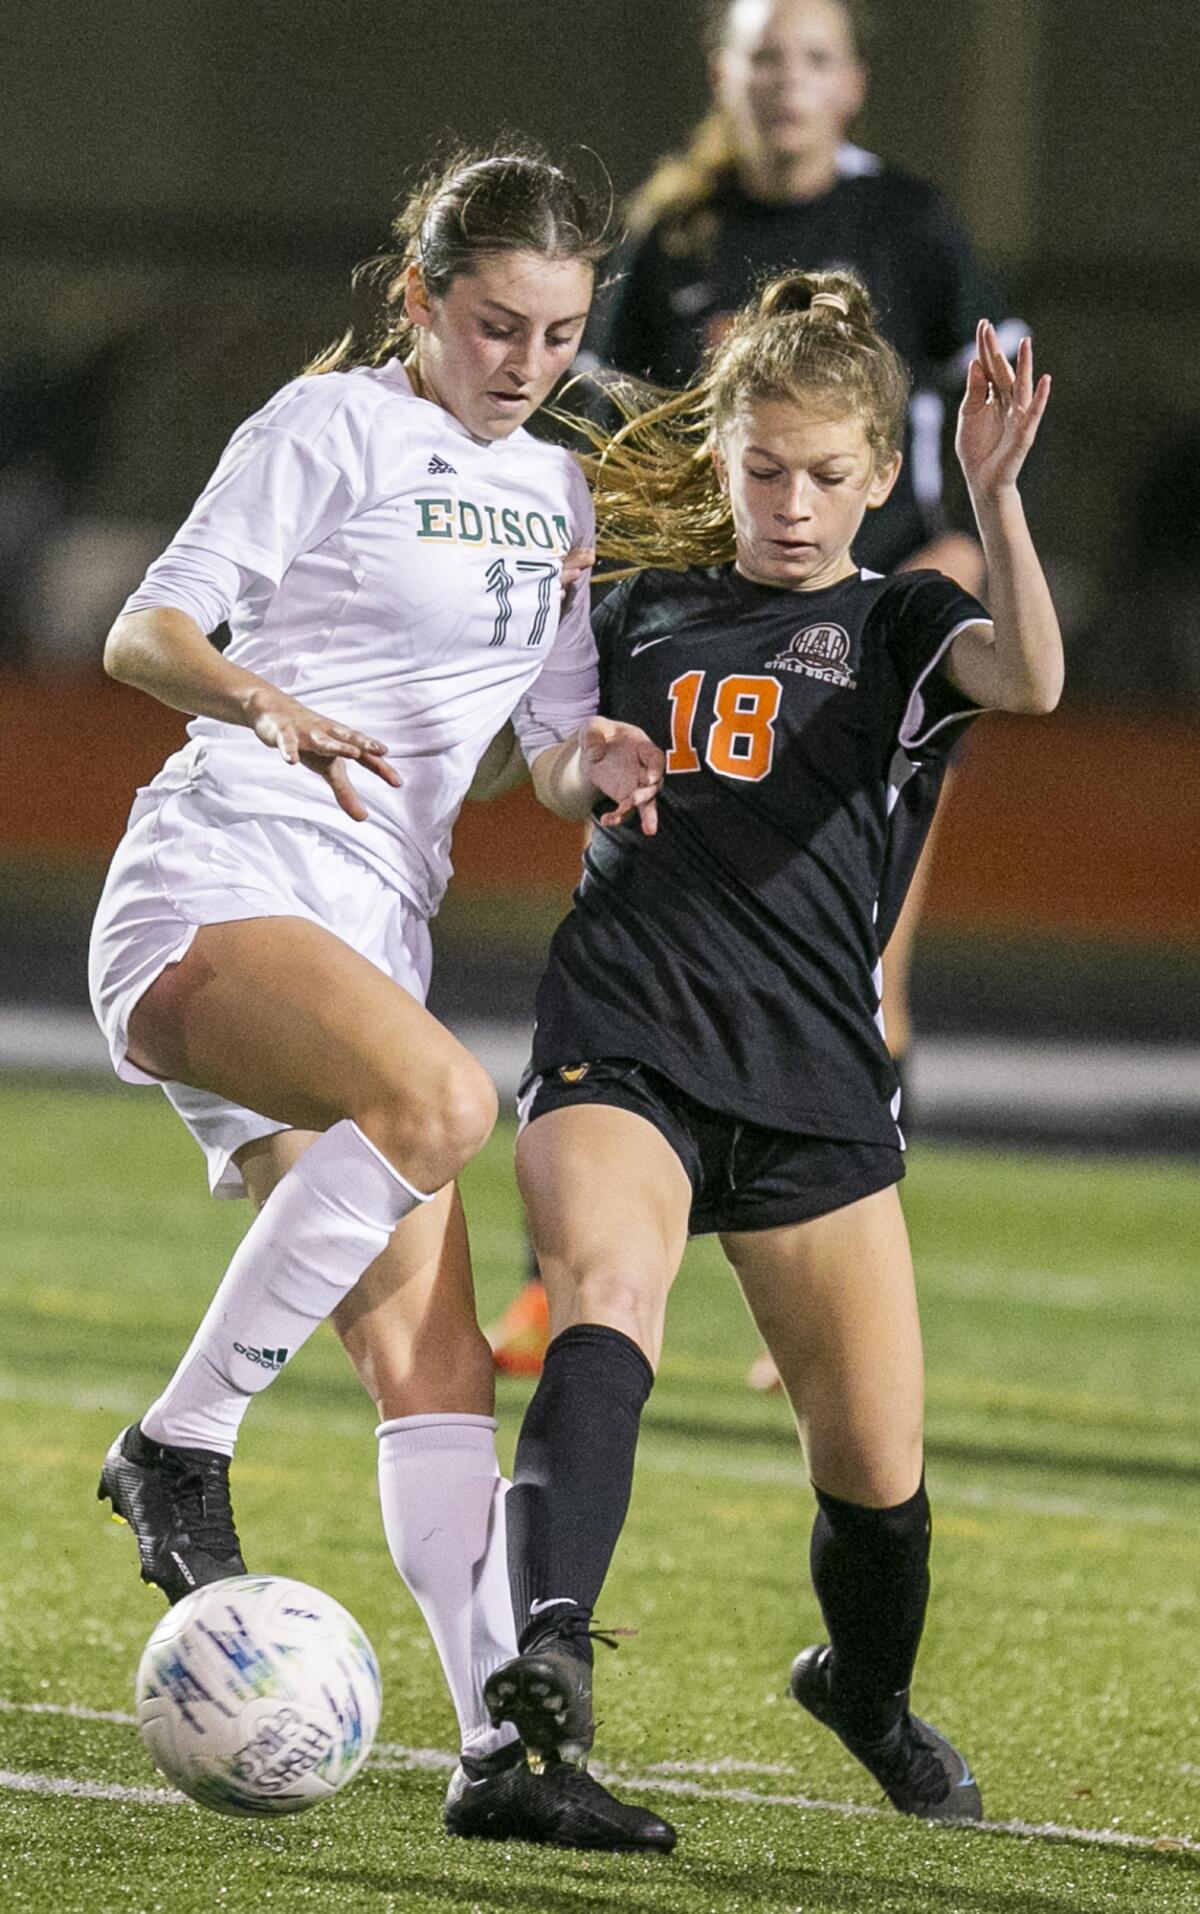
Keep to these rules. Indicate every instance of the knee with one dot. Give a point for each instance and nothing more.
(618, 1298)
(432, 1129)
(462, 1114)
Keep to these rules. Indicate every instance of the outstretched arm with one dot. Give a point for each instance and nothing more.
(605, 758)
(164, 652)
(1016, 664)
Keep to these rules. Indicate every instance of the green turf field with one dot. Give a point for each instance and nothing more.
(1063, 1650)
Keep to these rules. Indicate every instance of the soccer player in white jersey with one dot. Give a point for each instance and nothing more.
(387, 544)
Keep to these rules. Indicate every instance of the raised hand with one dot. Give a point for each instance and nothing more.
(627, 766)
(1000, 413)
(321, 745)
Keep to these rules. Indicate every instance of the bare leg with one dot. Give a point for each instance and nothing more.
(280, 1015)
(608, 1203)
(835, 1300)
(836, 1304)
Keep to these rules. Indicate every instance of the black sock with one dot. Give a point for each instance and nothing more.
(572, 1479)
(870, 1568)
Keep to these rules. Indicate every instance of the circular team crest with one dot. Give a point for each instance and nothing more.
(819, 651)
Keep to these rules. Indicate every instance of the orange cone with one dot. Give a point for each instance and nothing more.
(519, 1338)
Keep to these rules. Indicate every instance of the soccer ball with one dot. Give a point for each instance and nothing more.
(258, 1695)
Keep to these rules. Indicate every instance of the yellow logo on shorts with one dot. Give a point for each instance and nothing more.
(573, 1072)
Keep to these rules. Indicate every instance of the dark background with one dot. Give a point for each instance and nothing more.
(199, 182)
(183, 195)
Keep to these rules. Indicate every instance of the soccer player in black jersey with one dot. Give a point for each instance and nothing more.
(769, 181)
(708, 1055)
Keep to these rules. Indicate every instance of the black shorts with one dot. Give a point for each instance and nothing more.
(743, 1176)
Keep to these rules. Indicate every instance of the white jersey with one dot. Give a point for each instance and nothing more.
(398, 575)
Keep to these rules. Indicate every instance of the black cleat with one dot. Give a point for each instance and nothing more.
(176, 1501)
(547, 1696)
(562, 1806)
(918, 1769)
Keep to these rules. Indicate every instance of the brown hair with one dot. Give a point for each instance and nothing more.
(679, 189)
(473, 204)
(809, 339)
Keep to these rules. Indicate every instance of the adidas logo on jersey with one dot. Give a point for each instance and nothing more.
(439, 466)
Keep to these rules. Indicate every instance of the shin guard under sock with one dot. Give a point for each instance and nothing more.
(870, 1570)
(442, 1497)
(573, 1476)
(323, 1224)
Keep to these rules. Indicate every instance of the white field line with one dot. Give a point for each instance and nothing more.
(74, 1710)
(14, 1782)
(392, 1757)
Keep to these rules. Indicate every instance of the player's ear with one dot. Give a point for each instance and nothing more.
(719, 466)
(416, 298)
(884, 479)
(853, 91)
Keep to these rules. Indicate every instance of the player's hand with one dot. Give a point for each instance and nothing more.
(627, 766)
(1000, 414)
(576, 565)
(321, 745)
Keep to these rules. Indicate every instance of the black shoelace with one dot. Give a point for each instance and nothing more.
(200, 1492)
(579, 1627)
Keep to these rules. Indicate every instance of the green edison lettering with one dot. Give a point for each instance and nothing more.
(437, 517)
(462, 522)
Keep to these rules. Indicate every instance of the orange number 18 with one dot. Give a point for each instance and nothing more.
(741, 737)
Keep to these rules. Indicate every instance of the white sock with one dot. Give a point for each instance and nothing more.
(443, 1514)
(323, 1224)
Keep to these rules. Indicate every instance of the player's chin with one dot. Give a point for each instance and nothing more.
(788, 564)
(499, 418)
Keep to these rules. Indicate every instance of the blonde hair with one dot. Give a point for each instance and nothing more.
(810, 339)
(677, 195)
(473, 204)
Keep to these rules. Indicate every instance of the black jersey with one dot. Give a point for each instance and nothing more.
(737, 950)
(896, 232)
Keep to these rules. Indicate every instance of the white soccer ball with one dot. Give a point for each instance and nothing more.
(258, 1695)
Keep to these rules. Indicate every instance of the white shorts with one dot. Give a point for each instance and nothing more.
(184, 862)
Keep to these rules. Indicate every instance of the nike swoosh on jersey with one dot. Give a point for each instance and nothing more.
(647, 642)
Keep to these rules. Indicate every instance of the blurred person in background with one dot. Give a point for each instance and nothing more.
(388, 544)
(768, 181)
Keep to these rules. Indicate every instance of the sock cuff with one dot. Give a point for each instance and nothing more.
(435, 1428)
(612, 1341)
(855, 1518)
(419, 1196)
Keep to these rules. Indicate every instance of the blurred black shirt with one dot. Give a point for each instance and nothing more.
(686, 278)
